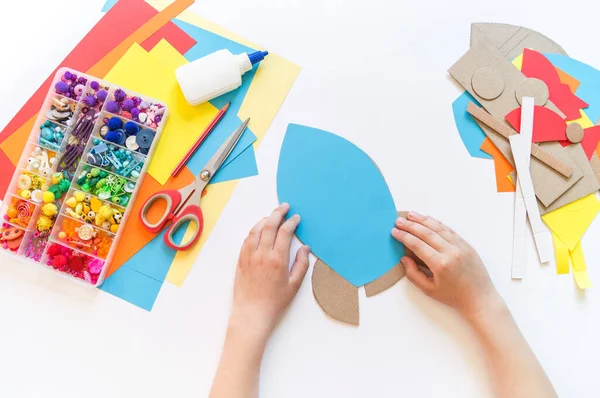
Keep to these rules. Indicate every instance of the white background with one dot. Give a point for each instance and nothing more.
(374, 72)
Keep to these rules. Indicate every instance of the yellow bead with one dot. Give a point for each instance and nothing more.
(26, 194)
(62, 235)
(114, 228)
(71, 202)
(50, 209)
(48, 197)
(79, 196)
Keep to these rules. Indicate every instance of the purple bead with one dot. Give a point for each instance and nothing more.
(67, 75)
(112, 107)
(73, 77)
(95, 86)
(135, 112)
(101, 95)
(157, 119)
(62, 87)
(90, 100)
(137, 101)
(127, 105)
(78, 90)
(120, 95)
(81, 80)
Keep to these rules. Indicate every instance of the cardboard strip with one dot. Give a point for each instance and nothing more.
(336, 296)
(595, 162)
(505, 131)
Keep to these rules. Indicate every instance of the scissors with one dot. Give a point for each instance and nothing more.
(184, 205)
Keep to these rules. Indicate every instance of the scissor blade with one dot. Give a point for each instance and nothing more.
(225, 150)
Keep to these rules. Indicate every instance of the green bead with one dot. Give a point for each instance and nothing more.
(103, 174)
(85, 187)
(64, 185)
(94, 182)
(81, 181)
(95, 172)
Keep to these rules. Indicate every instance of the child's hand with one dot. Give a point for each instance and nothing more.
(264, 286)
(459, 279)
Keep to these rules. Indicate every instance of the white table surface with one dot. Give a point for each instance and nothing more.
(375, 73)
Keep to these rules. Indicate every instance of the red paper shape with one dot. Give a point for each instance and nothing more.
(591, 138)
(537, 66)
(547, 124)
(124, 18)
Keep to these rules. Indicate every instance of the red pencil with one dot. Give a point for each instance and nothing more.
(200, 140)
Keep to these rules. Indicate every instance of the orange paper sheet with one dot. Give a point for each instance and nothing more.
(568, 80)
(136, 235)
(501, 166)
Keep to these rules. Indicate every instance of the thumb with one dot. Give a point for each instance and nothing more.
(299, 268)
(416, 276)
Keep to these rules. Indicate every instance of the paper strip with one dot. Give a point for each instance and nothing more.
(580, 274)
(520, 145)
(561, 252)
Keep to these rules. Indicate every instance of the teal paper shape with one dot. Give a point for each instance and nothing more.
(470, 133)
(346, 207)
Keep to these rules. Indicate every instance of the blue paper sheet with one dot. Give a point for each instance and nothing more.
(470, 133)
(346, 206)
(244, 166)
(108, 5)
(589, 79)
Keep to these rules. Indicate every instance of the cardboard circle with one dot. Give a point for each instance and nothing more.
(535, 88)
(575, 133)
(487, 83)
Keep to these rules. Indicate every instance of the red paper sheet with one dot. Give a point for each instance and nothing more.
(537, 66)
(547, 124)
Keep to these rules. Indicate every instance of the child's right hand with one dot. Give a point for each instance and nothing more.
(459, 279)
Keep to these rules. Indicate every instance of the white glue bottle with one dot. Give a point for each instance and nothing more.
(215, 74)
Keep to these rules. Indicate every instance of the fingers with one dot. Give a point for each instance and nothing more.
(300, 267)
(444, 231)
(416, 276)
(285, 235)
(271, 227)
(416, 245)
(251, 242)
(424, 233)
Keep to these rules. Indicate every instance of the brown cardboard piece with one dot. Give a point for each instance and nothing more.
(585, 186)
(386, 281)
(595, 162)
(482, 55)
(535, 88)
(511, 40)
(506, 131)
(575, 133)
(335, 295)
(487, 83)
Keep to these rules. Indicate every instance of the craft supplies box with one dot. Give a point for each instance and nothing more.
(79, 175)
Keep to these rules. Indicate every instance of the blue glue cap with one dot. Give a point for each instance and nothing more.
(257, 56)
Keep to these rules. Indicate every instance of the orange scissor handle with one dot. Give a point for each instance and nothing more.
(172, 197)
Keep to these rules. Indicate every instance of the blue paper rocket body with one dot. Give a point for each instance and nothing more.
(346, 207)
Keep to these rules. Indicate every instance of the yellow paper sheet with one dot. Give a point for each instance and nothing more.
(570, 222)
(584, 121)
(562, 255)
(139, 71)
(580, 274)
(271, 84)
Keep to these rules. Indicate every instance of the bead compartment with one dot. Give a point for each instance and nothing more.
(60, 137)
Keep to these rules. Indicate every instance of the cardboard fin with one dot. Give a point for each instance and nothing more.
(337, 297)
(385, 281)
